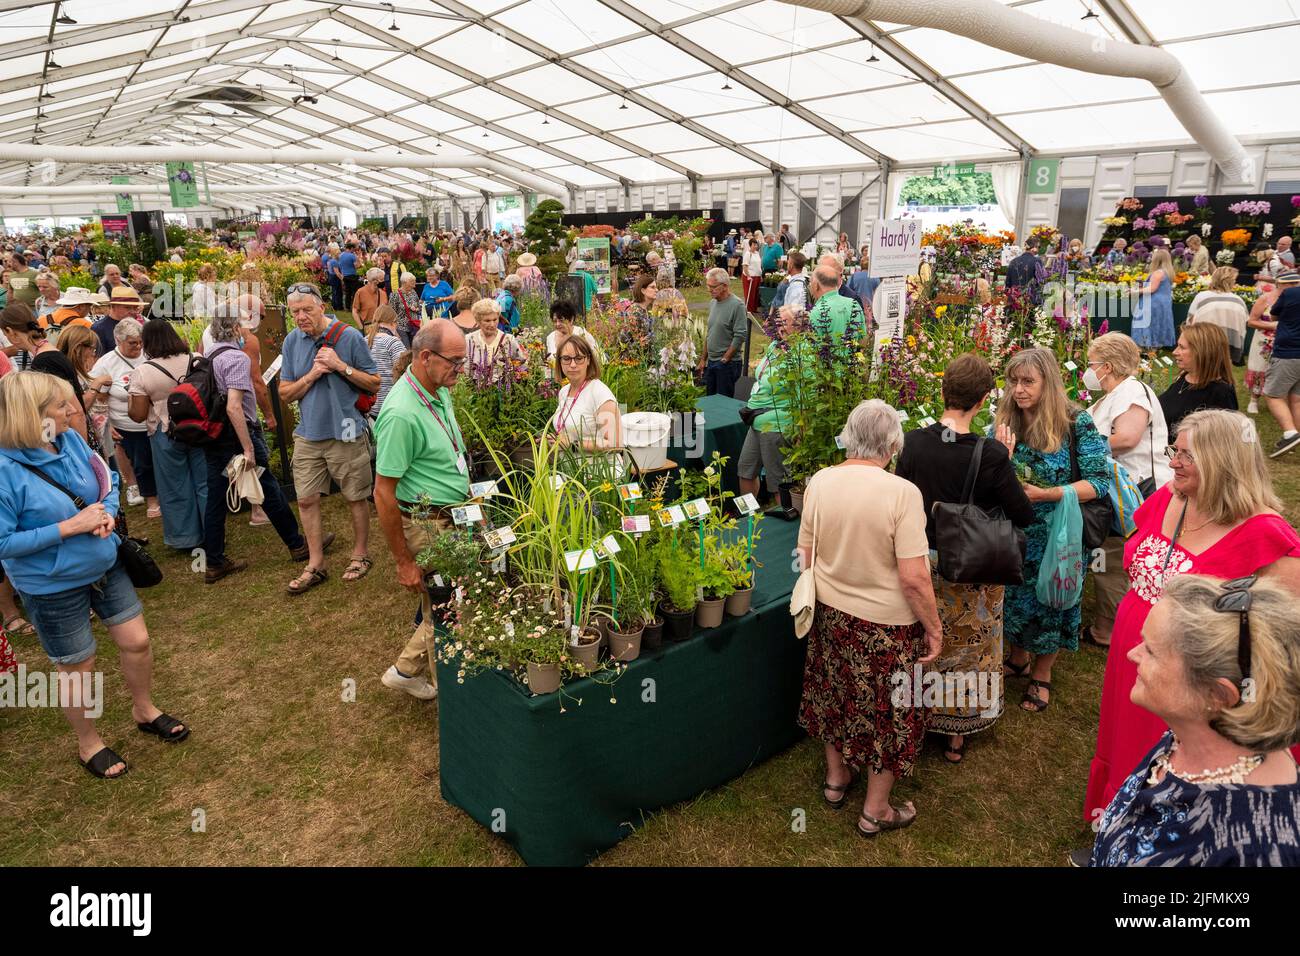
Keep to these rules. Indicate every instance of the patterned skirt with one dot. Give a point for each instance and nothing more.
(970, 664)
(850, 677)
(8, 663)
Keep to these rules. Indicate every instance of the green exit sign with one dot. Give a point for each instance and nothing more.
(954, 169)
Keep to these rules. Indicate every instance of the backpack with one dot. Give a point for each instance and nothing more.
(196, 407)
(365, 400)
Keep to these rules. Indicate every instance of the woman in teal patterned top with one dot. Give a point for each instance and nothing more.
(1036, 420)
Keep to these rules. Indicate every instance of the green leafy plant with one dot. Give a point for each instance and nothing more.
(456, 556)
(544, 230)
(679, 569)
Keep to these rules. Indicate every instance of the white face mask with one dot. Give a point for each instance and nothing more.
(1091, 381)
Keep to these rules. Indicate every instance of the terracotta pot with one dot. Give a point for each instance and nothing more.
(653, 636)
(588, 654)
(738, 602)
(625, 646)
(796, 499)
(543, 678)
(677, 624)
(708, 613)
(601, 623)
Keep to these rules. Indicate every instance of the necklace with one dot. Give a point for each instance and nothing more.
(1236, 772)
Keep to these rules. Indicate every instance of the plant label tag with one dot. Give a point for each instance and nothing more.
(636, 524)
(1167, 360)
(583, 560)
(630, 492)
(839, 442)
(902, 415)
(697, 509)
(557, 482)
(670, 517)
(746, 504)
(1071, 367)
(468, 514)
(611, 544)
(272, 370)
(502, 537)
(438, 582)
(483, 489)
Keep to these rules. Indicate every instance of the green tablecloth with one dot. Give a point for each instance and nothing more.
(724, 433)
(562, 787)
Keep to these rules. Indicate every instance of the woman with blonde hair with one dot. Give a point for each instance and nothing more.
(80, 345)
(1221, 306)
(1219, 663)
(1219, 516)
(385, 348)
(1058, 444)
(1153, 313)
(1205, 379)
(1200, 263)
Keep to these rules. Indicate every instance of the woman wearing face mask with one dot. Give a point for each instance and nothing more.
(1131, 419)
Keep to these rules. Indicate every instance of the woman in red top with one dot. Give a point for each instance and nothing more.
(1218, 517)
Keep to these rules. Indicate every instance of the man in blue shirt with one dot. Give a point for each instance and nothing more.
(326, 364)
(772, 253)
(347, 266)
(1282, 381)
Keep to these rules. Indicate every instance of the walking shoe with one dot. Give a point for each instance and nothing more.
(1080, 858)
(303, 553)
(1252, 408)
(133, 496)
(1284, 445)
(418, 687)
(214, 574)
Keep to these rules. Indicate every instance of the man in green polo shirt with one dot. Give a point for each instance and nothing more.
(832, 312)
(420, 451)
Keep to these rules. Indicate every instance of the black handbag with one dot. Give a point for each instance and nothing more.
(977, 546)
(140, 567)
(1099, 513)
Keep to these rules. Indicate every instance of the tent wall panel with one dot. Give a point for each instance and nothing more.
(1114, 181)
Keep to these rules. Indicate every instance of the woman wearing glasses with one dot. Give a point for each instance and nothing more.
(1219, 662)
(1219, 517)
(586, 418)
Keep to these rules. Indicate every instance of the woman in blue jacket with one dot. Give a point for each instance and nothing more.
(63, 558)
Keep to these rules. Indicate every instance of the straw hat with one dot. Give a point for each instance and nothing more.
(528, 259)
(125, 295)
(76, 295)
(1288, 277)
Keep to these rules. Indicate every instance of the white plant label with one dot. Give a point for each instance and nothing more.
(696, 509)
(272, 370)
(501, 537)
(468, 514)
(746, 504)
(839, 442)
(1071, 367)
(636, 524)
(557, 482)
(483, 489)
(670, 517)
(630, 492)
(583, 560)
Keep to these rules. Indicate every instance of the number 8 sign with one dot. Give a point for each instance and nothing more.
(1042, 176)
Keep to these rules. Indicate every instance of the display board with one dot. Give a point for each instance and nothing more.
(895, 247)
(595, 258)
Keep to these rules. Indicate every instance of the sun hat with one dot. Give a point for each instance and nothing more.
(76, 295)
(1290, 275)
(528, 259)
(125, 295)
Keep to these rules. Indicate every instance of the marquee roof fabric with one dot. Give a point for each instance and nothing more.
(605, 92)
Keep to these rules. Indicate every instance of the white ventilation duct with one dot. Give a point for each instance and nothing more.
(37, 153)
(996, 25)
(159, 191)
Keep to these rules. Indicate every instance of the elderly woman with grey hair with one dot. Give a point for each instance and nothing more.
(508, 300)
(406, 305)
(368, 298)
(134, 456)
(875, 621)
(232, 369)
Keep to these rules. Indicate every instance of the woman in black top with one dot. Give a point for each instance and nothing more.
(19, 324)
(936, 460)
(1206, 379)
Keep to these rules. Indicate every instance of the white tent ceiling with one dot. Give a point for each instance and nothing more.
(596, 92)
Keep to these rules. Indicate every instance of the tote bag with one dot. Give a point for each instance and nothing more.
(803, 599)
(1060, 576)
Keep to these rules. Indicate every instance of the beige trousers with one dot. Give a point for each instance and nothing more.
(417, 656)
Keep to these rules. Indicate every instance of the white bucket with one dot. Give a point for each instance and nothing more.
(646, 436)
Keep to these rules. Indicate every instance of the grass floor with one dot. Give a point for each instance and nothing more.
(286, 772)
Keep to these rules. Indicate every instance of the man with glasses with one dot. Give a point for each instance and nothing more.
(421, 460)
(725, 340)
(326, 365)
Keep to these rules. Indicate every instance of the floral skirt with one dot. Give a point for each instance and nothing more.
(8, 663)
(970, 664)
(849, 681)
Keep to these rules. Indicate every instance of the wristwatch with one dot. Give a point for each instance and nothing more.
(347, 370)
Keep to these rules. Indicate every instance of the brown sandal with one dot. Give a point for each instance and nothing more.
(309, 579)
(357, 569)
(903, 817)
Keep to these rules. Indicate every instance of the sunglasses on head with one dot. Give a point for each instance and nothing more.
(1236, 599)
(303, 288)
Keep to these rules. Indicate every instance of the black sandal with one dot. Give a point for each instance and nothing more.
(98, 765)
(1021, 671)
(841, 788)
(958, 752)
(162, 726)
(1036, 704)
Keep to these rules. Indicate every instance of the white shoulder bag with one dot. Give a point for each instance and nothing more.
(803, 599)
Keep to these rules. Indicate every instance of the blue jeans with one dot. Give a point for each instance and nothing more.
(720, 378)
(181, 473)
(136, 446)
(276, 506)
(62, 619)
(336, 292)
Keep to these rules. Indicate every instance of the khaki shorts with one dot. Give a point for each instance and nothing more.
(347, 462)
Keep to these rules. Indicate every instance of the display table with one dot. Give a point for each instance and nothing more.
(724, 433)
(563, 786)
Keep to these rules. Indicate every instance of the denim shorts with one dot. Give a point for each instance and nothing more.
(62, 619)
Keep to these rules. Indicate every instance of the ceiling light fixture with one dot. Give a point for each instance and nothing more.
(51, 65)
(873, 58)
(1091, 15)
(624, 106)
(726, 86)
(66, 20)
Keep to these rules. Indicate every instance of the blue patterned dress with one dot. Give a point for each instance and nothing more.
(1153, 317)
(1176, 823)
(1027, 623)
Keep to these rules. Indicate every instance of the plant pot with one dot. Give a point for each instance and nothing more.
(738, 602)
(522, 455)
(708, 613)
(601, 623)
(625, 646)
(796, 499)
(588, 654)
(678, 625)
(653, 635)
(543, 678)
(439, 596)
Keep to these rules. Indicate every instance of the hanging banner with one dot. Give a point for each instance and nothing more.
(183, 184)
(115, 225)
(593, 254)
(896, 247)
(124, 201)
(1042, 177)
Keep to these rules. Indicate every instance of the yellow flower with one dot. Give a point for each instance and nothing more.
(911, 341)
(938, 313)
(606, 486)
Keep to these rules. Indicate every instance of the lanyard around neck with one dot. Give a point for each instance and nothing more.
(455, 445)
(563, 418)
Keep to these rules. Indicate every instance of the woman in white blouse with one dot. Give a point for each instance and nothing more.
(752, 275)
(484, 346)
(586, 417)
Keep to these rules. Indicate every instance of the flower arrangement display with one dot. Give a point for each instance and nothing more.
(1129, 205)
(1144, 226)
(277, 238)
(1249, 211)
(1236, 239)
(966, 249)
(1048, 236)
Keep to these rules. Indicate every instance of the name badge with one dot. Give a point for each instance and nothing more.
(461, 465)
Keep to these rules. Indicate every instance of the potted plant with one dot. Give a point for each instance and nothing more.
(738, 566)
(451, 558)
(714, 585)
(634, 607)
(678, 578)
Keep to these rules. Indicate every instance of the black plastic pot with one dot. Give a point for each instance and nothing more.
(439, 596)
(678, 625)
(654, 635)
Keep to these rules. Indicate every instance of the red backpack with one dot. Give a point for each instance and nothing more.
(365, 400)
(196, 407)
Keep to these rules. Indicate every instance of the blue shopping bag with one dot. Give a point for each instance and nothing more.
(1060, 576)
(1125, 498)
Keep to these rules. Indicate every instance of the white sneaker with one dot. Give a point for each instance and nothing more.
(1252, 408)
(133, 496)
(418, 687)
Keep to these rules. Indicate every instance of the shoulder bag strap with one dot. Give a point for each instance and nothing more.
(77, 500)
(968, 489)
(1151, 428)
(1075, 474)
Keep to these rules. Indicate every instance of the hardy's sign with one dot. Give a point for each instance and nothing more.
(896, 247)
